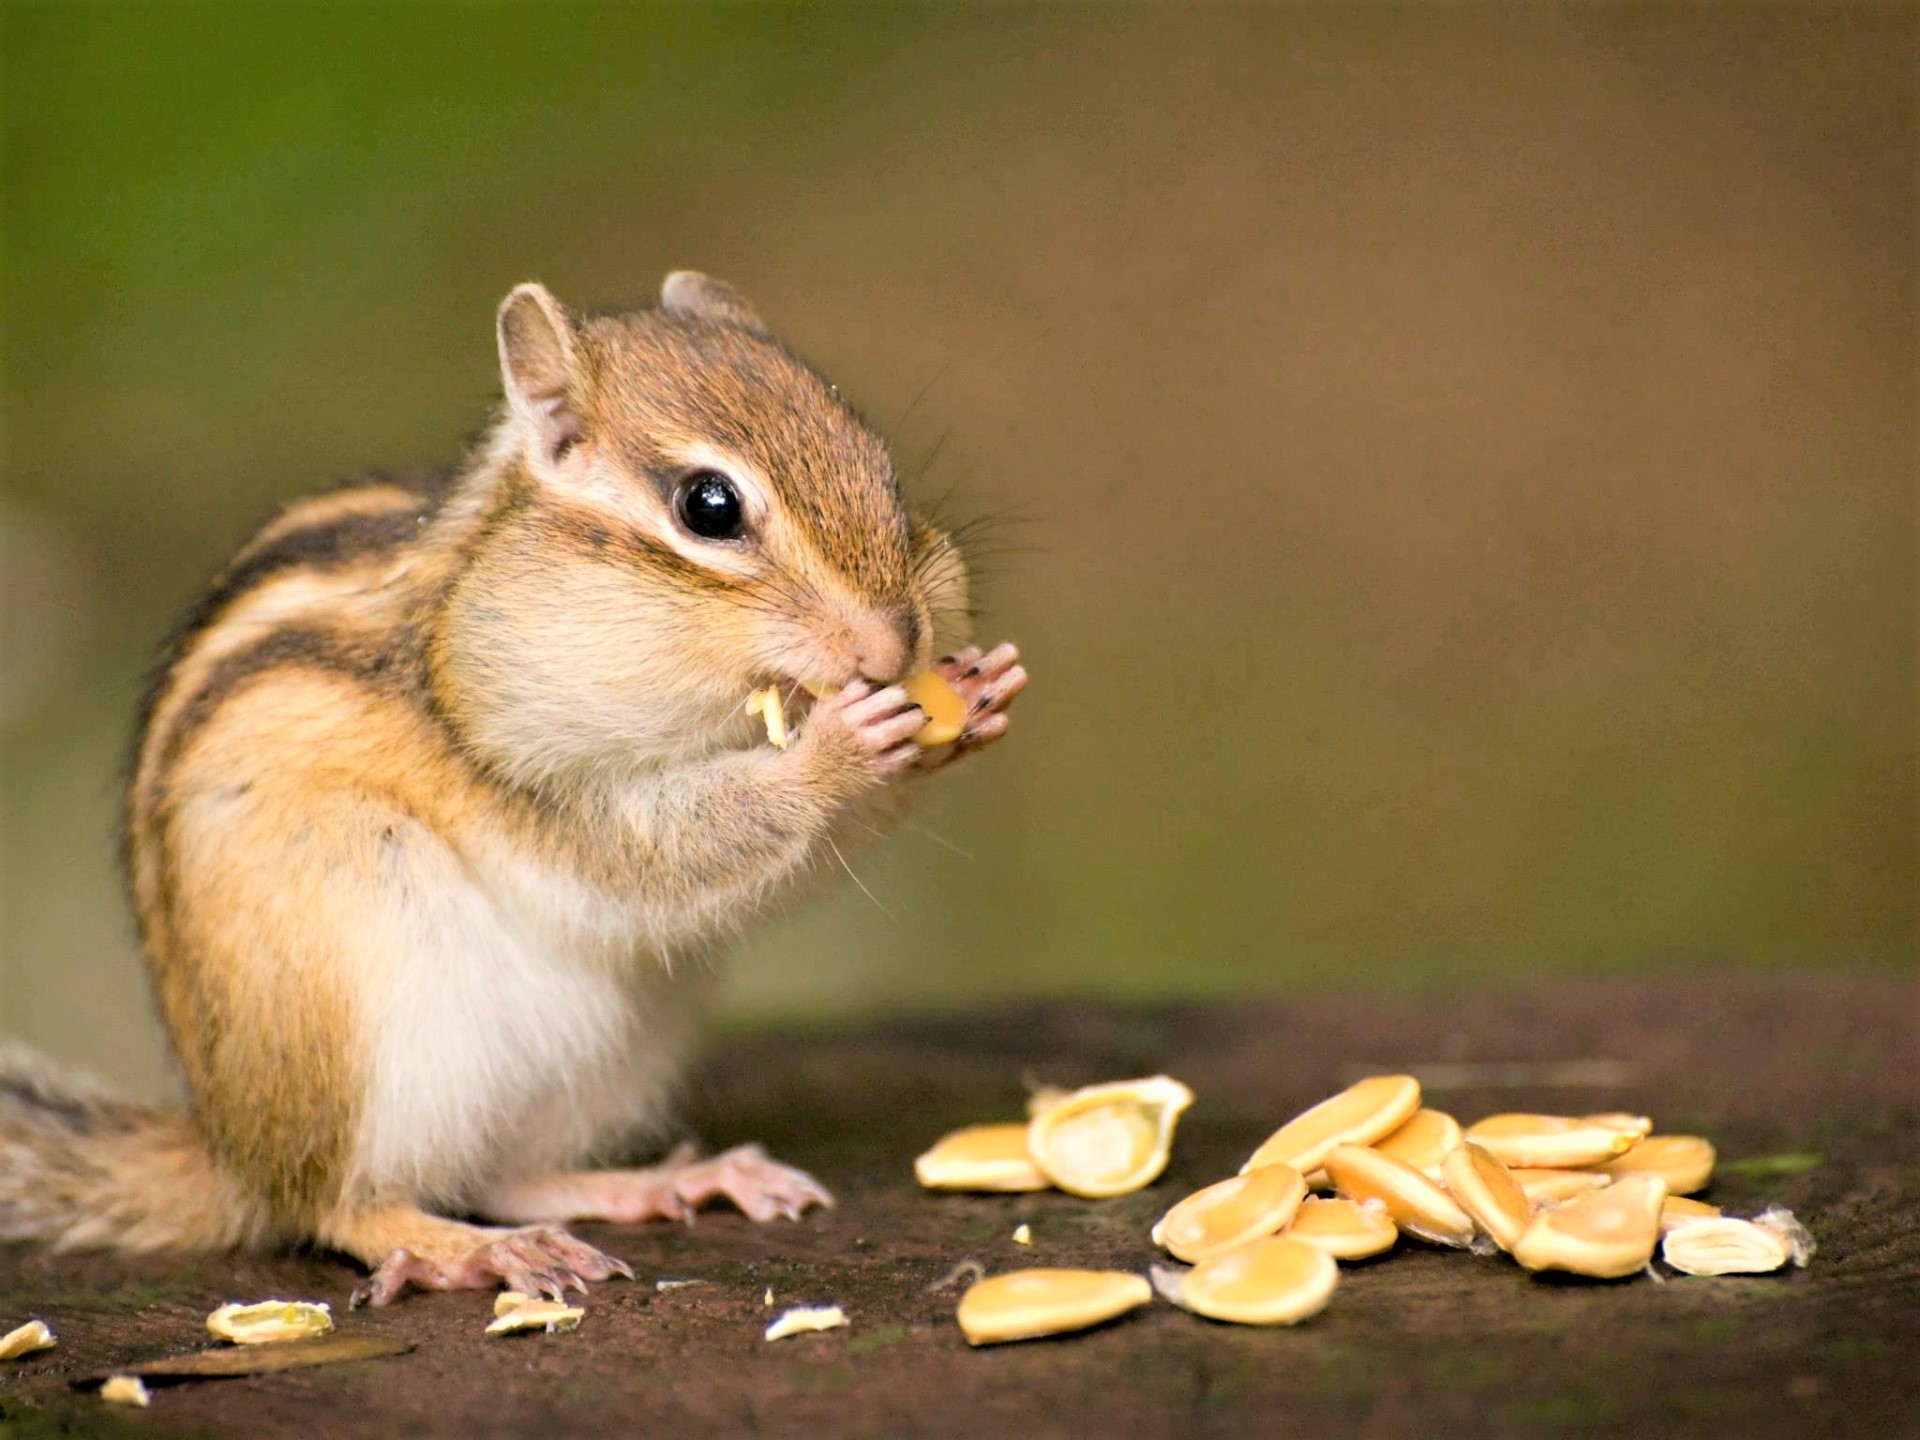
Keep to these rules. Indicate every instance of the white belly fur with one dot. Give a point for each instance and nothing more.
(518, 1023)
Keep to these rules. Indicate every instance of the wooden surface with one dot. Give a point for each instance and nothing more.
(1777, 1070)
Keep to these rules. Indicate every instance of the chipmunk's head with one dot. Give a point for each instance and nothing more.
(686, 513)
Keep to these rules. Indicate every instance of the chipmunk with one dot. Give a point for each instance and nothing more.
(445, 794)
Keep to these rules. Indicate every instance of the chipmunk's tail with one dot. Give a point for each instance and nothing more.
(81, 1170)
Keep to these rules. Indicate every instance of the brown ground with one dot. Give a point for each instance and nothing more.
(1420, 1342)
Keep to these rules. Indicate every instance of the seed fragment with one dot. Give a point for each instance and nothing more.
(1232, 1212)
(515, 1312)
(1275, 1281)
(27, 1339)
(1488, 1192)
(805, 1319)
(1345, 1229)
(126, 1390)
(1552, 1187)
(1554, 1141)
(1678, 1210)
(1023, 1235)
(1413, 1202)
(1605, 1233)
(1026, 1304)
(766, 704)
(1726, 1246)
(946, 709)
(1685, 1162)
(270, 1321)
(1423, 1141)
(1108, 1139)
(980, 1157)
(1359, 1115)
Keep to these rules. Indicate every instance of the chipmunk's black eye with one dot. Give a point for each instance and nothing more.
(709, 506)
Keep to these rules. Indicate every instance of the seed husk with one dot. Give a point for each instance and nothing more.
(1685, 1162)
(1487, 1191)
(1678, 1210)
(1274, 1281)
(514, 1312)
(1423, 1141)
(1359, 1115)
(946, 709)
(1414, 1203)
(1026, 1304)
(1553, 1187)
(1232, 1212)
(27, 1339)
(126, 1390)
(270, 1321)
(1559, 1142)
(980, 1157)
(1108, 1139)
(806, 1319)
(1345, 1229)
(1605, 1233)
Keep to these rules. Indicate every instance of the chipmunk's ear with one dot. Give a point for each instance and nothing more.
(536, 365)
(701, 297)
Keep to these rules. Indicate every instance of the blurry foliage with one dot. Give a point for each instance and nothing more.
(1457, 461)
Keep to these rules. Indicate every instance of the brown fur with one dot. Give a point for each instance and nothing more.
(397, 676)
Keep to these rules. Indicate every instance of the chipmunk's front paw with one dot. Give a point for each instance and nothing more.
(872, 725)
(988, 683)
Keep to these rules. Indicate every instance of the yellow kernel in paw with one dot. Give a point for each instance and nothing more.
(946, 708)
(980, 1157)
(1232, 1212)
(1413, 1202)
(1605, 1234)
(1358, 1115)
(766, 704)
(1108, 1139)
(1026, 1304)
(1345, 1229)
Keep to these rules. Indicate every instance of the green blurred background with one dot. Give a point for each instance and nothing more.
(1458, 462)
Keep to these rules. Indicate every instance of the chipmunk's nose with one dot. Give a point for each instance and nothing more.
(887, 645)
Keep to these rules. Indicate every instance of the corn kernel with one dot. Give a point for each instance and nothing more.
(1553, 1141)
(1026, 1304)
(1554, 1187)
(1423, 1141)
(1345, 1229)
(1678, 1210)
(1108, 1139)
(1685, 1162)
(1275, 1281)
(1358, 1115)
(1413, 1202)
(26, 1340)
(1023, 1234)
(945, 707)
(1245, 1207)
(1606, 1233)
(270, 1321)
(1487, 1191)
(1725, 1246)
(980, 1157)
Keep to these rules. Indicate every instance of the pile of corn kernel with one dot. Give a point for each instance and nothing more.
(1590, 1195)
